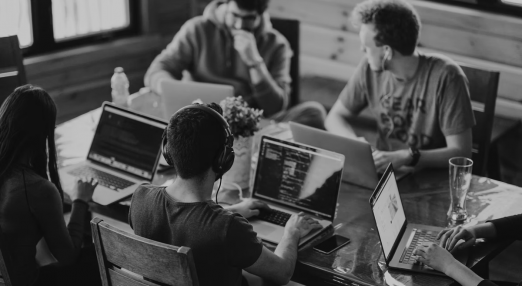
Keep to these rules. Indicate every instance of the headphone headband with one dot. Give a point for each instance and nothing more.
(225, 157)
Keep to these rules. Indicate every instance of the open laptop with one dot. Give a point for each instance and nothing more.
(292, 178)
(398, 237)
(359, 168)
(124, 153)
(176, 94)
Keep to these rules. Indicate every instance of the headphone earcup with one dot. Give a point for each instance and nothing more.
(224, 161)
(165, 152)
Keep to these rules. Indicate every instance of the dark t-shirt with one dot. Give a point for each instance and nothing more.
(223, 243)
(419, 112)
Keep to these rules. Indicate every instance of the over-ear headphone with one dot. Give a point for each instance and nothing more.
(225, 155)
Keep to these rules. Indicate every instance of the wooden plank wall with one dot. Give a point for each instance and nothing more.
(78, 79)
(330, 46)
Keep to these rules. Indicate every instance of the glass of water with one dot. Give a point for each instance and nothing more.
(459, 180)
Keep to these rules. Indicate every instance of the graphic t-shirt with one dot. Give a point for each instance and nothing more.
(223, 243)
(418, 112)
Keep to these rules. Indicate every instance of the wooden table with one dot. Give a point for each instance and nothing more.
(425, 197)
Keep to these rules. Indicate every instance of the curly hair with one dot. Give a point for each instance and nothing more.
(259, 6)
(396, 22)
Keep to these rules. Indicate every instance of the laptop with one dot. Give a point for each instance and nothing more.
(292, 178)
(176, 94)
(398, 237)
(359, 168)
(124, 153)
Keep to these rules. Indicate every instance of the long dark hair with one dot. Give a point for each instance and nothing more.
(27, 120)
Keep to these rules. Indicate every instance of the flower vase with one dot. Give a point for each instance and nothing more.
(240, 172)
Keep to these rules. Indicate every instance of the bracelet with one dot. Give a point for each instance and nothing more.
(256, 64)
(415, 155)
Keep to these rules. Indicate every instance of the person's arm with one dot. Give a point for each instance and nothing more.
(270, 81)
(278, 266)
(350, 103)
(247, 208)
(174, 59)
(458, 145)
(508, 227)
(64, 242)
(338, 119)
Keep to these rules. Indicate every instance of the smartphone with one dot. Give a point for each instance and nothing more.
(332, 244)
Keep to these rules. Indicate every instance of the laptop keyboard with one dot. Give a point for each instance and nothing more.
(419, 237)
(104, 179)
(274, 216)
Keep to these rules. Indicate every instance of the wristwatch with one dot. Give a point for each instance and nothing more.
(415, 155)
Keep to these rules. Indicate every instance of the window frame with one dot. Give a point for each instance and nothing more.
(43, 34)
(493, 6)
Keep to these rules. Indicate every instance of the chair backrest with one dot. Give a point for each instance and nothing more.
(5, 262)
(483, 87)
(12, 72)
(290, 29)
(128, 259)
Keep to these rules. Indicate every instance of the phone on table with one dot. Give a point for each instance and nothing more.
(332, 244)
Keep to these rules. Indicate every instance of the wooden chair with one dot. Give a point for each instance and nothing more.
(12, 72)
(128, 259)
(290, 29)
(483, 87)
(5, 263)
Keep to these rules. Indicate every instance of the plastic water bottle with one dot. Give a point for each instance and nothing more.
(120, 87)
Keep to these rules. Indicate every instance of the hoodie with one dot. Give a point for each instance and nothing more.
(204, 47)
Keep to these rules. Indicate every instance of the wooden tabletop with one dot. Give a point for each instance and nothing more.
(425, 196)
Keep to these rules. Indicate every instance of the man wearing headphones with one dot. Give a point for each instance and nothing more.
(420, 101)
(198, 143)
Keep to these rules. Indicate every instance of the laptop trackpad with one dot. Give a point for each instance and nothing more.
(265, 229)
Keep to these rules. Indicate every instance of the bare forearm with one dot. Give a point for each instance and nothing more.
(338, 125)
(287, 251)
(439, 157)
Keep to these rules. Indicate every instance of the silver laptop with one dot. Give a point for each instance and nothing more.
(398, 237)
(176, 94)
(359, 167)
(292, 178)
(124, 153)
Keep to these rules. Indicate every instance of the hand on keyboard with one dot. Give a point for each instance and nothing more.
(301, 224)
(434, 256)
(248, 208)
(83, 189)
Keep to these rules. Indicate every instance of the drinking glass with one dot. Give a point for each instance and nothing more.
(459, 180)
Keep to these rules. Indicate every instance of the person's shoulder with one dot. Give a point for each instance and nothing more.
(146, 190)
(442, 63)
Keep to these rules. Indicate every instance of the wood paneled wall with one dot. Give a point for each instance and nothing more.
(330, 46)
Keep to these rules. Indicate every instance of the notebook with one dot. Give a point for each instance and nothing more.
(291, 178)
(124, 153)
(176, 94)
(398, 237)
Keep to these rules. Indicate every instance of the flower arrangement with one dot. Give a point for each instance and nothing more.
(242, 119)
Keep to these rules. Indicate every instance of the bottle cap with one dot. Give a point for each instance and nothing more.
(118, 70)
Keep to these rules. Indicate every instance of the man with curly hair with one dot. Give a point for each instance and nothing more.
(420, 101)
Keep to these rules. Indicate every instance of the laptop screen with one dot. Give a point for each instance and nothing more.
(127, 142)
(388, 211)
(299, 176)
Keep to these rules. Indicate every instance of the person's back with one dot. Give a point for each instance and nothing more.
(20, 229)
(222, 243)
(31, 197)
(198, 144)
